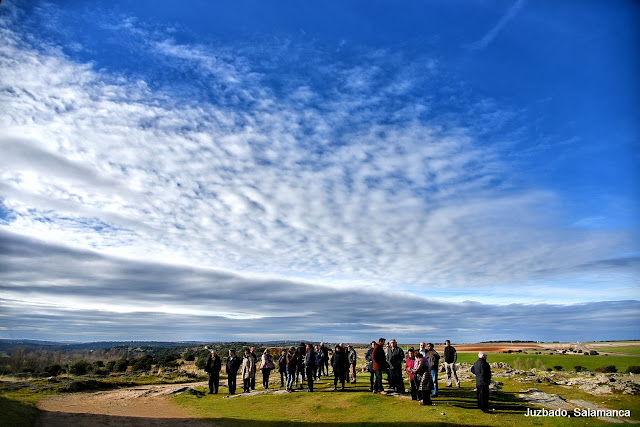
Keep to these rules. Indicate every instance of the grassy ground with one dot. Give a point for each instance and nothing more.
(631, 349)
(543, 361)
(357, 406)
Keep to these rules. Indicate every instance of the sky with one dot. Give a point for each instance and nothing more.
(338, 171)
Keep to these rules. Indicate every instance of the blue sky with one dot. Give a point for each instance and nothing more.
(219, 171)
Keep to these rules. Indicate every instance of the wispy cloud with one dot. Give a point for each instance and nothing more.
(495, 30)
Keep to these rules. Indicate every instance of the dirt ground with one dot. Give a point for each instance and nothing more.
(135, 406)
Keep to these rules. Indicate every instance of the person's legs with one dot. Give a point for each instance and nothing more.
(483, 398)
(310, 378)
(216, 382)
(434, 376)
(232, 384)
(290, 375)
(210, 383)
(455, 374)
(447, 367)
(378, 384)
(414, 389)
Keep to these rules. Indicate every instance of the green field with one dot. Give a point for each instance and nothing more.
(631, 349)
(544, 361)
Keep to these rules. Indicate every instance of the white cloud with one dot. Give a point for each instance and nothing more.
(313, 183)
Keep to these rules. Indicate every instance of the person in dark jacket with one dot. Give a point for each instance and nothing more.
(302, 351)
(369, 359)
(395, 358)
(282, 366)
(340, 365)
(353, 360)
(450, 359)
(233, 364)
(213, 369)
(325, 359)
(379, 364)
(310, 365)
(482, 371)
(319, 362)
(434, 358)
(254, 356)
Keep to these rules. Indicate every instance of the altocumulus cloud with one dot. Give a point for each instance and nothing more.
(282, 191)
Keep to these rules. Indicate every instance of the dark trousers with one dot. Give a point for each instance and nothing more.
(482, 392)
(395, 379)
(214, 381)
(415, 387)
(246, 385)
(338, 376)
(232, 383)
(326, 365)
(283, 375)
(265, 377)
(310, 377)
(377, 386)
(371, 379)
(252, 381)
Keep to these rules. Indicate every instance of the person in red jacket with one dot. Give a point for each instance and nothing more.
(379, 360)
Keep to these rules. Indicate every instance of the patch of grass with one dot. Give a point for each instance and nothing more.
(18, 407)
(357, 406)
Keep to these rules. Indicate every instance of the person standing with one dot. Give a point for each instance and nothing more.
(410, 365)
(282, 366)
(423, 349)
(213, 369)
(395, 358)
(434, 358)
(340, 364)
(302, 351)
(353, 358)
(292, 362)
(368, 357)
(379, 365)
(325, 359)
(266, 365)
(482, 371)
(248, 366)
(252, 378)
(318, 362)
(233, 364)
(422, 370)
(450, 359)
(310, 365)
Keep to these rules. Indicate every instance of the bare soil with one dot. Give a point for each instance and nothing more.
(134, 406)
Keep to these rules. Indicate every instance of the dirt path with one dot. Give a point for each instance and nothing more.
(149, 405)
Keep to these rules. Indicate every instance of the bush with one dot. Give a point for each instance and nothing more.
(633, 370)
(111, 365)
(190, 356)
(121, 365)
(579, 368)
(608, 369)
(558, 368)
(593, 353)
(53, 370)
(143, 364)
(79, 367)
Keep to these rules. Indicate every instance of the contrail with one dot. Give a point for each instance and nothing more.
(492, 33)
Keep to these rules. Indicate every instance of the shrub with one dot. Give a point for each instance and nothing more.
(593, 353)
(558, 368)
(143, 364)
(111, 365)
(53, 370)
(608, 369)
(579, 368)
(121, 365)
(633, 370)
(190, 356)
(79, 367)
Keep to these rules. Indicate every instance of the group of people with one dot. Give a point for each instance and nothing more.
(308, 363)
